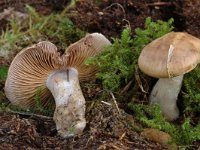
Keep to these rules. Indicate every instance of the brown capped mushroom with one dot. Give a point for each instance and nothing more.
(169, 58)
(41, 68)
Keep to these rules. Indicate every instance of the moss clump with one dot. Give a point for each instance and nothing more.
(117, 63)
(150, 116)
(191, 93)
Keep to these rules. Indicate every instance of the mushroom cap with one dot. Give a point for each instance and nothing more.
(29, 70)
(28, 73)
(89, 46)
(171, 55)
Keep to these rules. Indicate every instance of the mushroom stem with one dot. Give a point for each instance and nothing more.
(165, 93)
(69, 114)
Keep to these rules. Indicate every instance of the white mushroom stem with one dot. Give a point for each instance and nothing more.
(69, 114)
(165, 93)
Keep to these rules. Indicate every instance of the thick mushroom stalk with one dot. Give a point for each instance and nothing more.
(69, 114)
(165, 93)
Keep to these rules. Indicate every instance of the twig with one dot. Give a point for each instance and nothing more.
(90, 138)
(114, 146)
(119, 5)
(122, 136)
(126, 87)
(128, 22)
(30, 114)
(160, 4)
(115, 102)
(137, 77)
(71, 5)
(106, 103)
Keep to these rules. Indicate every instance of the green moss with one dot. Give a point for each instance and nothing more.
(150, 116)
(3, 72)
(117, 63)
(191, 93)
(117, 66)
(39, 108)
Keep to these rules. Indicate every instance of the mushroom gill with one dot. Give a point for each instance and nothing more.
(28, 73)
(91, 45)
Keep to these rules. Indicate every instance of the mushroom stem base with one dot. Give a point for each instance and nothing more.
(69, 114)
(165, 93)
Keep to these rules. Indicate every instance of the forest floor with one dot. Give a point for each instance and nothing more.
(105, 129)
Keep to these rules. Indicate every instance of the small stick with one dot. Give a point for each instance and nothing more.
(129, 24)
(126, 87)
(106, 103)
(137, 77)
(119, 5)
(30, 114)
(159, 4)
(91, 138)
(115, 146)
(122, 136)
(140, 83)
(115, 102)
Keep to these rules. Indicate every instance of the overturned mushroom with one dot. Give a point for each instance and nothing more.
(169, 58)
(78, 53)
(41, 67)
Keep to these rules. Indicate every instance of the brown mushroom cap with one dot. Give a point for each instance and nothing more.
(173, 54)
(28, 73)
(87, 47)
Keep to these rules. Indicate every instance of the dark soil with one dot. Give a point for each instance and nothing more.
(111, 16)
(105, 130)
(106, 127)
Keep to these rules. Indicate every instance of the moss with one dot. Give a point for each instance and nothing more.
(150, 116)
(3, 72)
(117, 63)
(191, 93)
(117, 66)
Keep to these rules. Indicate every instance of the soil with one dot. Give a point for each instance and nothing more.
(105, 129)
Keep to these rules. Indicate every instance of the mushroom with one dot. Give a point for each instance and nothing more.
(41, 68)
(169, 58)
